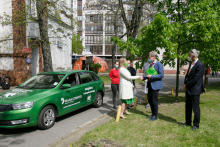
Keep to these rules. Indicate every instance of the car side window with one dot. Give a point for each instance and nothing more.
(72, 79)
(95, 77)
(85, 77)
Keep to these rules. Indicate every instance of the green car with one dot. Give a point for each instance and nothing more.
(42, 98)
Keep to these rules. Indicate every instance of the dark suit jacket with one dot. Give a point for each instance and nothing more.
(194, 79)
(133, 73)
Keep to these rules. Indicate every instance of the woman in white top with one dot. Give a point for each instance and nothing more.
(125, 87)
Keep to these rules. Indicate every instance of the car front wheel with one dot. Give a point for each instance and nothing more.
(46, 118)
(98, 100)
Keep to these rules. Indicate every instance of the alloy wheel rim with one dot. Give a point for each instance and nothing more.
(49, 117)
(99, 99)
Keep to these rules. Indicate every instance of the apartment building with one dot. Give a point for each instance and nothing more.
(96, 28)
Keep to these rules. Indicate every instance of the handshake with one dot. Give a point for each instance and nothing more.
(141, 77)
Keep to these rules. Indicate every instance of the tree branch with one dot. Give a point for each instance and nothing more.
(123, 14)
(191, 41)
(122, 35)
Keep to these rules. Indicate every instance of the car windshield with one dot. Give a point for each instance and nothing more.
(42, 82)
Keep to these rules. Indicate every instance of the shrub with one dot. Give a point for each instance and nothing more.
(95, 67)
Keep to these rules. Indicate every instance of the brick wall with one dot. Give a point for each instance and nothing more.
(20, 72)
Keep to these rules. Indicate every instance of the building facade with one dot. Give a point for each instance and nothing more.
(96, 28)
(15, 39)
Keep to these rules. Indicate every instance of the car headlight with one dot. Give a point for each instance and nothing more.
(22, 105)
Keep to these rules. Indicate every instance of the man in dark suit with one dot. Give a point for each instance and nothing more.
(193, 87)
(154, 84)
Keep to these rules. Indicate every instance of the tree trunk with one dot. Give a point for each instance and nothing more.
(43, 27)
(178, 61)
(177, 73)
(113, 54)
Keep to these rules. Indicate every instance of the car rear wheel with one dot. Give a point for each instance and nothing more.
(98, 100)
(46, 118)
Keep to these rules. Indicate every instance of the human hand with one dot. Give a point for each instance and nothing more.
(141, 78)
(184, 88)
(149, 76)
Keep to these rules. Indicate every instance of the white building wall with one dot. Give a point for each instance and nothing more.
(61, 56)
(6, 63)
(6, 32)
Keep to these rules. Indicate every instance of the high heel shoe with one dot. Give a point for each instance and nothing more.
(127, 113)
(122, 117)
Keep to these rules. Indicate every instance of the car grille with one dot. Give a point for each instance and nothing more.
(5, 123)
(4, 108)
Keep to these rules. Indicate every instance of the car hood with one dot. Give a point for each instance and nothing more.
(19, 95)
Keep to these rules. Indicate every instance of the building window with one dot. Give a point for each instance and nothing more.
(108, 39)
(93, 40)
(94, 28)
(79, 7)
(79, 28)
(96, 49)
(79, 18)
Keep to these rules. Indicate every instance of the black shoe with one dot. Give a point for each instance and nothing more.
(114, 107)
(148, 117)
(153, 118)
(148, 105)
(194, 128)
(185, 124)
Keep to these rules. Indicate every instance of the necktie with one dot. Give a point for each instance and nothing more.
(151, 66)
(191, 67)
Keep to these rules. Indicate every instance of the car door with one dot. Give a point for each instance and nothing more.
(88, 87)
(71, 97)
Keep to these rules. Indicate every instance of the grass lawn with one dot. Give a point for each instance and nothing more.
(107, 81)
(136, 130)
(107, 71)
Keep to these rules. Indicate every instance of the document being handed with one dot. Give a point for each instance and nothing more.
(151, 71)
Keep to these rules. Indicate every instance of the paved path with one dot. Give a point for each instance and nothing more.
(31, 137)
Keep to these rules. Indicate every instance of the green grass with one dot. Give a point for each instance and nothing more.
(107, 71)
(136, 130)
(107, 81)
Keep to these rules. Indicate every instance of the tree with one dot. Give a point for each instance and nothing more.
(38, 12)
(77, 44)
(184, 26)
(133, 19)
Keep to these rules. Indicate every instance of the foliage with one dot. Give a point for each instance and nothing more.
(77, 44)
(181, 28)
(197, 29)
(95, 67)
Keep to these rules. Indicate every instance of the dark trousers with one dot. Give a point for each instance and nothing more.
(115, 88)
(192, 103)
(153, 99)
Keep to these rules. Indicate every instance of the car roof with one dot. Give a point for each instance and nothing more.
(63, 72)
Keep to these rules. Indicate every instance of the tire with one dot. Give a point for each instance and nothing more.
(98, 100)
(46, 118)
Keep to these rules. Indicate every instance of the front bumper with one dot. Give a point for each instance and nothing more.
(11, 115)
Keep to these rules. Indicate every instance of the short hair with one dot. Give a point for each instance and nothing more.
(195, 52)
(115, 62)
(153, 54)
(121, 62)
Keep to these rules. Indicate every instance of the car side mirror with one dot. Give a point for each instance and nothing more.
(64, 86)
